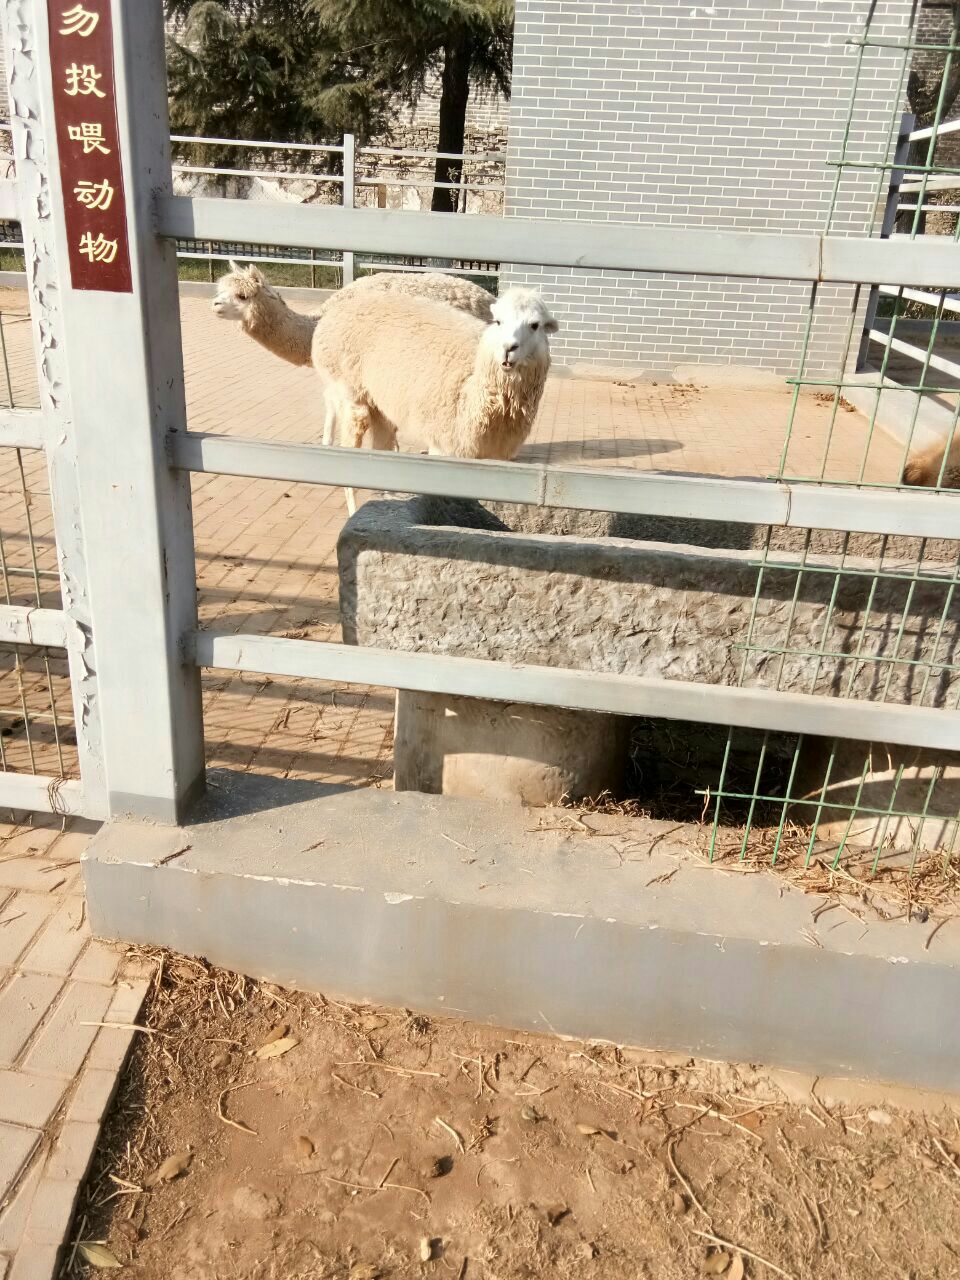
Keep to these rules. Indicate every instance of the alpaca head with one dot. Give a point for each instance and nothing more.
(520, 328)
(238, 290)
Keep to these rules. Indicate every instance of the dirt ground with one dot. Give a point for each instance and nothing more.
(260, 1134)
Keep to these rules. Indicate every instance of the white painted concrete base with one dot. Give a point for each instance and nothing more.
(465, 907)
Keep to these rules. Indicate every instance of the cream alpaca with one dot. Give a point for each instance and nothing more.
(413, 374)
(244, 295)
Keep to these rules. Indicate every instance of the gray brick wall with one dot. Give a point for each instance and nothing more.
(723, 117)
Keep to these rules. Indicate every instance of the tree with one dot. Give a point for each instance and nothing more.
(266, 69)
(469, 43)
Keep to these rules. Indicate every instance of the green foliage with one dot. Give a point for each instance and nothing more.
(408, 38)
(266, 69)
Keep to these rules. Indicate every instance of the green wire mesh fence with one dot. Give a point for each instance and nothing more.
(865, 617)
(37, 732)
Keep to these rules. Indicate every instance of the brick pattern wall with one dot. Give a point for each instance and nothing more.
(720, 116)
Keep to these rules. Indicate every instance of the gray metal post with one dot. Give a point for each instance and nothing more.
(891, 208)
(113, 372)
(349, 196)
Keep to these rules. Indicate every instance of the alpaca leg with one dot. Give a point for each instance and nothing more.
(383, 436)
(358, 420)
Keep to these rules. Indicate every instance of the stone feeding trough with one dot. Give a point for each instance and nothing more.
(667, 597)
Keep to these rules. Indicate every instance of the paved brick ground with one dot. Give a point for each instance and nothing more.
(58, 1062)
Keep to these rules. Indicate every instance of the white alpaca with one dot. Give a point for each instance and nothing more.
(410, 372)
(244, 295)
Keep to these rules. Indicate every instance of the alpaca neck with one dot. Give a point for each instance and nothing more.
(288, 334)
(497, 406)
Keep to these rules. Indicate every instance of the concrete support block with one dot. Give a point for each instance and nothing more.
(540, 929)
(505, 751)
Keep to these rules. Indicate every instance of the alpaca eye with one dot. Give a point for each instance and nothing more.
(496, 322)
(535, 326)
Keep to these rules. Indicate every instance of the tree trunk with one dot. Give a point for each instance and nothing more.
(454, 92)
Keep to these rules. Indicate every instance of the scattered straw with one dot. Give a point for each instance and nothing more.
(234, 1124)
(373, 1186)
(738, 1248)
(452, 1132)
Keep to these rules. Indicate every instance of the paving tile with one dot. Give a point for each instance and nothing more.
(51, 1211)
(36, 1263)
(63, 1043)
(24, 914)
(73, 1151)
(99, 963)
(60, 942)
(93, 1095)
(28, 1099)
(13, 1218)
(23, 1003)
(16, 1147)
(40, 875)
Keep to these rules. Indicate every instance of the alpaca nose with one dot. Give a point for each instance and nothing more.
(513, 347)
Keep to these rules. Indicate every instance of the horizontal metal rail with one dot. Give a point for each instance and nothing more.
(20, 625)
(9, 200)
(948, 303)
(381, 180)
(937, 183)
(259, 146)
(949, 126)
(559, 243)
(499, 157)
(385, 180)
(921, 354)
(294, 176)
(581, 690)
(922, 514)
(22, 429)
(43, 795)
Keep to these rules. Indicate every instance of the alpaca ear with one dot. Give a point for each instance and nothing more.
(235, 267)
(255, 274)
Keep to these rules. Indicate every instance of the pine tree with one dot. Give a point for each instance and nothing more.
(266, 69)
(469, 43)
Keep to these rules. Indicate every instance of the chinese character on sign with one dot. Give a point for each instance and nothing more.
(95, 195)
(78, 21)
(83, 80)
(91, 135)
(99, 250)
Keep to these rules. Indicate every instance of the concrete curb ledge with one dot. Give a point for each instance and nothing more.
(462, 907)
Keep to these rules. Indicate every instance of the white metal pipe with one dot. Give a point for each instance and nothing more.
(919, 354)
(258, 173)
(44, 795)
(259, 146)
(9, 200)
(22, 429)
(20, 625)
(386, 181)
(466, 157)
(249, 257)
(920, 295)
(922, 514)
(917, 135)
(629, 695)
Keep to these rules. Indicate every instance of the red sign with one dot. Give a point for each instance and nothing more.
(88, 142)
